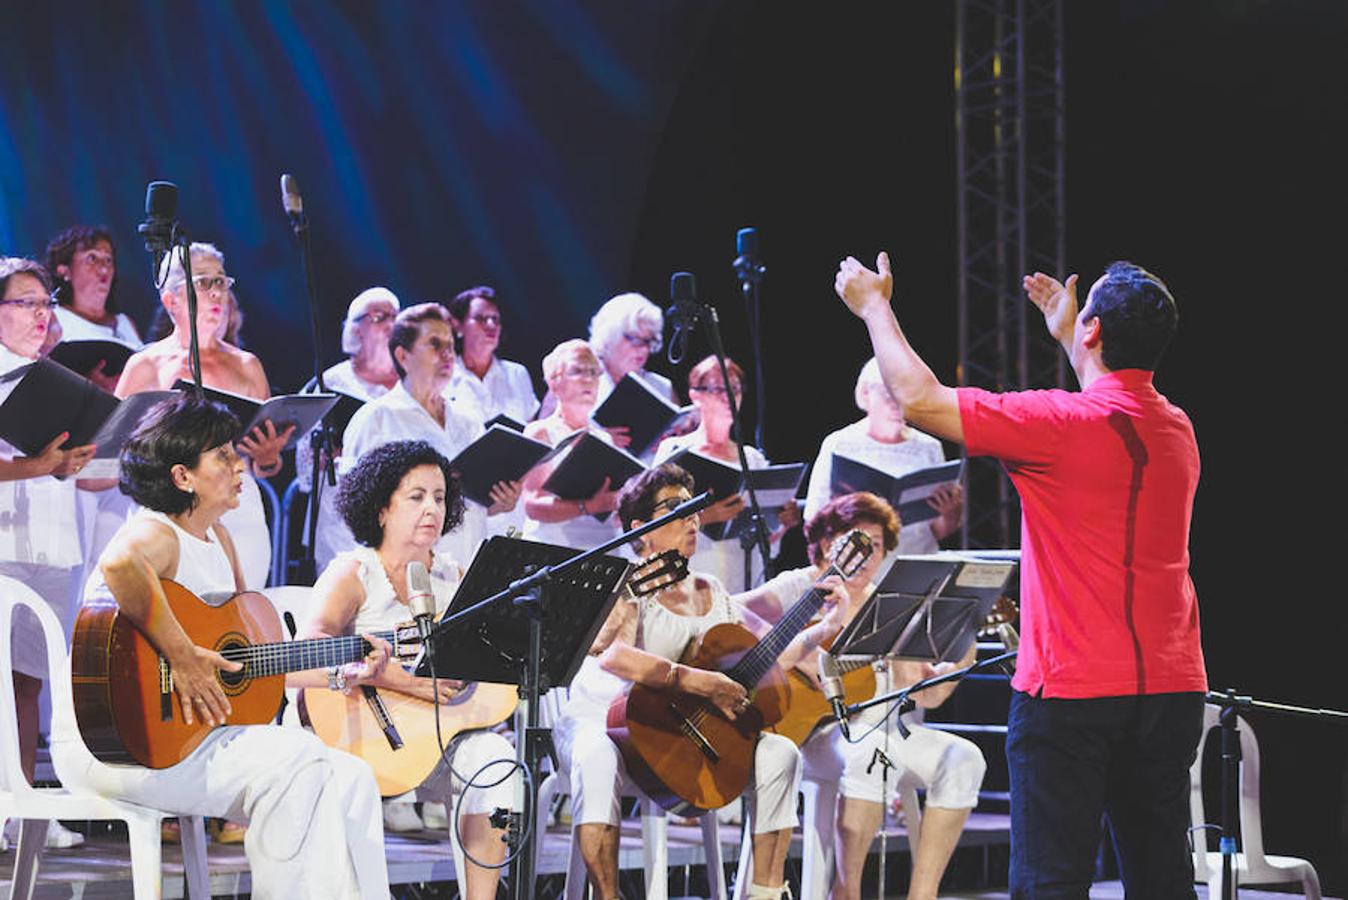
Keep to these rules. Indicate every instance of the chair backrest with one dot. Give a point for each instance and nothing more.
(1251, 825)
(14, 595)
(292, 499)
(292, 598)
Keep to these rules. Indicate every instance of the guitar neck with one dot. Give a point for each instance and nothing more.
(763, 657)
(262, 660)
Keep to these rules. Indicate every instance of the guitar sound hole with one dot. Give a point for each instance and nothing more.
(233, 682)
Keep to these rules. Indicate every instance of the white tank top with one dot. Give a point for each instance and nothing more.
(203, 566)
(381, 608)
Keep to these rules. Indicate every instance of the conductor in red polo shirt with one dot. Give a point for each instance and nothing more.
(1107, 705)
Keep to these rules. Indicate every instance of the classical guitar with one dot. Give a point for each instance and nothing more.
(678, 747)
(125, 704)
(359, 722)
(809, 708)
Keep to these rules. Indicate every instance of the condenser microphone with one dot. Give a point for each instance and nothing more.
(830, 680)
(420, 598)
(292, 202)
(683, 313)
(161, 214)
(748, 265)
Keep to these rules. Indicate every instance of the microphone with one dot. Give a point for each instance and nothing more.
(292, 202)
(161, 215)
(830, 680)
(748, 268)
(420, 598)
(683, 313)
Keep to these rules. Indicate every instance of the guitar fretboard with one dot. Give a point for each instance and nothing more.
(756, 663)
(262, 660)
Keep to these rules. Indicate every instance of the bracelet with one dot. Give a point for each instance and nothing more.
(336, 679)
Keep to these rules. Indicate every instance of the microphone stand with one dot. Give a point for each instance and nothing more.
(903, 696)
(320, 438)
(756, 534)
(530, 595)
(749, 272)
(1231, 704)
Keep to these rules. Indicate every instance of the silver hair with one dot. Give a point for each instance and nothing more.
(621, 314)
(555, 361)
(869, 375)
(350, 334)
(171, 272)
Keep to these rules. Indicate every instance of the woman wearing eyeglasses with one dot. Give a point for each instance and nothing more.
(706, 391)
(572, 372)
(83, 261)
(492, 385)
(224, 367)
(37, 510)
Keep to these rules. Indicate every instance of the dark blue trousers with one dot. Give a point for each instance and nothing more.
(1072, 761)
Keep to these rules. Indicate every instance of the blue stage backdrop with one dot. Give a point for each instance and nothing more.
(437, 146)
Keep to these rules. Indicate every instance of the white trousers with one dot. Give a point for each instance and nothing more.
(949, 767)
(314, 823)
(474, 756)
(598, 776)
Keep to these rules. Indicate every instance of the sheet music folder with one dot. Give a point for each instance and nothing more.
(927, 608)
(493, 645)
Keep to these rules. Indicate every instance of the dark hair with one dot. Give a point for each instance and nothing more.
(637, 500)
(463, 301)
(845, 512)
(1137, 317)
(61, 251)
(407, 328)
(368, 488)
(174, 432)
(18, 265)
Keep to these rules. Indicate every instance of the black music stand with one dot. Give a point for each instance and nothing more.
(927, 608)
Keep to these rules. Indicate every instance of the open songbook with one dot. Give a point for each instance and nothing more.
(774, 487)
(586, 462)
(907, 493)
(301, 410)
(637, 406)
(500, 454)
(45, 399)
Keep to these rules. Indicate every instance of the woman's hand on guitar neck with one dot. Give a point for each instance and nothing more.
(199, 691)
(371, 668)
(726, 695)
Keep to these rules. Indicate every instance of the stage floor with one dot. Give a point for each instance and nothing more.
(101, 868)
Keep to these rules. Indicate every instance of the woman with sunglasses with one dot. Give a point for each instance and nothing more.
(37, 511)
(707, 391)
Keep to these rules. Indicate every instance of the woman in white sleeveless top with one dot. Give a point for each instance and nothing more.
(572, 372)
(398, 500)
(642, 642)
(312, 812)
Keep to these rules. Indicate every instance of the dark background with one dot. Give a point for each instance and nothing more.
(564, 154)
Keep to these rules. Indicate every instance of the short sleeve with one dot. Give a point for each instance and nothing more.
(1016, 427)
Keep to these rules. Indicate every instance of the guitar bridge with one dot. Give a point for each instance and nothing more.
(165, 690)
(693, 734)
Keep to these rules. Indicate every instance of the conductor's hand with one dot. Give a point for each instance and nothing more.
(504, 495)
(199, 690)
(864, 291)
(1057, 301)
(726, 695)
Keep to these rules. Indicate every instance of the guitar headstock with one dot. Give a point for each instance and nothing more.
(850, 552)
(657, 571)
(1004, 612)
(406, 643)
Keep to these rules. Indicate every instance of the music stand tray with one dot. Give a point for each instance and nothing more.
(493, 645)
(927, 608)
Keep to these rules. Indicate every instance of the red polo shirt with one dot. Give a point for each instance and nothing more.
(1106, 478)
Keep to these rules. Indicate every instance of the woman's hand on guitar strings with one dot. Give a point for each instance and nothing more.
(200, 693)
(726, 695)
(445, 689)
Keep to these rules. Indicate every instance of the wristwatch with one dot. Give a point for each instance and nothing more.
(336, 679)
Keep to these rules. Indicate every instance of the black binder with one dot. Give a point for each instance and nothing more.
(500, 454)
(82, 355)
(907, 494)
(588, 460)
(301, 410)
(644, 412)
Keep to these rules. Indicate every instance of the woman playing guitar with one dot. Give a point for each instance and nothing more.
(313, 812)
(948, 766)
(642, 642)
(398, 500)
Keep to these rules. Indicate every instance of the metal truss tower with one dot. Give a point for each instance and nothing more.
(1010, 150)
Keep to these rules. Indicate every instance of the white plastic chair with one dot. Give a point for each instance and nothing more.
(1252, 866)
(36, 806)
(654, 830)
(820, 802)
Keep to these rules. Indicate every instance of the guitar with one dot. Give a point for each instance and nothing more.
(359, 722)
(125, 704)
(809, 709)
(678, 747)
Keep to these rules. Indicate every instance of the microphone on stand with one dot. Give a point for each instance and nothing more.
(293, 203)
(683, 313)
(830, 680)
(748, 268)
(161, 215)
(420, 598)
